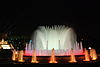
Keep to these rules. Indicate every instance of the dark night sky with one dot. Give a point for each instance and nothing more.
(24, 17)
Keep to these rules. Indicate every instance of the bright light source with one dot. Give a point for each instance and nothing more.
(90, 48)
(5, 46)
(16, 52)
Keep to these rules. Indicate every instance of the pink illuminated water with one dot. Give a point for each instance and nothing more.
(57, 53)
(61, 38)
(77, 50)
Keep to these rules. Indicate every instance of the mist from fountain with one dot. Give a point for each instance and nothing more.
(61, 38)
(57, 37)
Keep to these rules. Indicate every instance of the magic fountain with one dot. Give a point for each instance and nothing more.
(53, 42)
(61, 38)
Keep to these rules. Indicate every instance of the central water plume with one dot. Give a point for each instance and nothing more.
(57, 37)
(61, 38)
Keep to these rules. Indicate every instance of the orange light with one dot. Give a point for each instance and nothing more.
(34, 59)
(53, 59)
(20, 56)
(72, 58)
(94, 55)
(87, 58)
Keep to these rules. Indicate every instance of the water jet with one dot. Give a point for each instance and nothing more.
(87, 57)
(72, 57)
(34, 59)
(20, 56)
(53, 59)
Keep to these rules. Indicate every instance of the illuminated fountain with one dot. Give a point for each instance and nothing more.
(72, 58)
(87, 57)
(20, 56)
(29, 48)
(34, 59)
(61, 38)
(93, 54)
(14, 55)
(52, 58)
